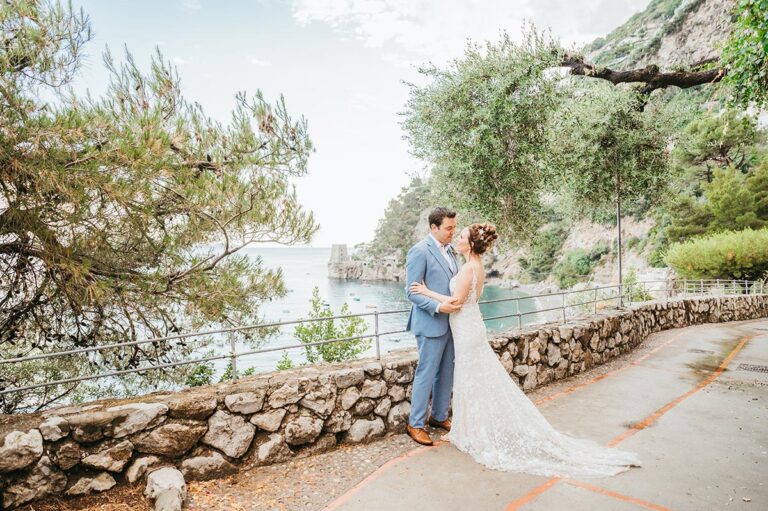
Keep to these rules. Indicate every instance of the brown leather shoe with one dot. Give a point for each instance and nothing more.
(419, 435)
(446, 424)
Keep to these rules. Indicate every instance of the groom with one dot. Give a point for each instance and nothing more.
(433, 262)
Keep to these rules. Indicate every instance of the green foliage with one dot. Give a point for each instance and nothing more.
(732, 201)
(481, 123)
(577, 265)
(715, 141)
(396, 230)
(316, 331)
(745, 54)
(285, 362)
(543, 251)
(123, 214)
(633, 291)
(200, 374)
(604, 147)
(228, 373)
(725, 255)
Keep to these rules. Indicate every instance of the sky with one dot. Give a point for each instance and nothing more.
(341, 64)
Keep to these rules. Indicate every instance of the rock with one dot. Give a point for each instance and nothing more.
(373, 368)
(521, 370)
(20, 450)
(275, 449)
(302, 430)
(561, 370)
(88, 485)
(246, 402)
(54, 428)
(321, 401)
(507, 361)
(349, 397)
(289, 393)
(134, 417)
(112, 459)
(594, 342)
(269, 421)
(338, 421)
(44, 479)
(89, 426)
(533, 353)
(530, 380)
(398, 416)
(382, 409)
(168, 489)
(229, 433)
(324, 443)
(66, 454)
(139, 467)
(402, 373)
(373, 389)
(498, 343)
(364, 407)
(348, 377)
(171, 439)
(188, 405)
(397, 393)
(364, 430)
(202, 468)
(553, 354)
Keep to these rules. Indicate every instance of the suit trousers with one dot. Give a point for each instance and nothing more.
(434, 375)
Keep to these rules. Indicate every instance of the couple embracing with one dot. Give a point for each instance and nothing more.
(493, 420)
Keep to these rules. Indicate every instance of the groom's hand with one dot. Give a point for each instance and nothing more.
(450, 306)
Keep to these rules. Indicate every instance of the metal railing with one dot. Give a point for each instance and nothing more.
(600, 296)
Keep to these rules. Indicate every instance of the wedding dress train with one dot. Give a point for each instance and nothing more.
(495, 422)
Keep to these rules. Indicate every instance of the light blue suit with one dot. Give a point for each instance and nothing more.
(434, 372)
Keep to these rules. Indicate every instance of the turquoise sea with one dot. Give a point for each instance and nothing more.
(305, 268)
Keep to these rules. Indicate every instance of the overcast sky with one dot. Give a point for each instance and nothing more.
(340, 63)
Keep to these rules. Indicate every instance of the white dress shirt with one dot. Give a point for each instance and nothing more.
(451, 263)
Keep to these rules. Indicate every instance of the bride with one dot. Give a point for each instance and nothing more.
(493, 420)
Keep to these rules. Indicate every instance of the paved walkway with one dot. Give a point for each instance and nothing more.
(695, 414)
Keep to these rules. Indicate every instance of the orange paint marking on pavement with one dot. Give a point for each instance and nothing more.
(377, 473)
(515, 505)
(641, 425)
(667, 407)
(609, 373)
(617, 496)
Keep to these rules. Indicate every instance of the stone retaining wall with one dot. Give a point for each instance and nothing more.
(216, 430)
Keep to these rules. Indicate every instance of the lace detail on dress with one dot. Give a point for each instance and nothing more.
(496, 423)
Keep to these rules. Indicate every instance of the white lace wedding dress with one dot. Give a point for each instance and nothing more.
(495, 422)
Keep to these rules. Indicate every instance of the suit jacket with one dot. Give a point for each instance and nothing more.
(425, 262)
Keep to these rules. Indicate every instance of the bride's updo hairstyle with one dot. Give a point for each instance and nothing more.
(481, 237)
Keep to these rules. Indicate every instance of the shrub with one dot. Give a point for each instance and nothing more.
(316, 331)
(725, 255)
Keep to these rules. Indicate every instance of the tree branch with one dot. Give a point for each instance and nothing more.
(651, 76)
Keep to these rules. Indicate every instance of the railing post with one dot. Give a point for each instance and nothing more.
(376, 334)
(233, 357)
(564, 317)
(519, 314)
(595, 301)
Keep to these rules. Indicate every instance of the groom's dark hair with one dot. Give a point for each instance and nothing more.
(437, 216)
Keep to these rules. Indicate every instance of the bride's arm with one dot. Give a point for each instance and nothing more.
(420, 288)
(460, 293)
